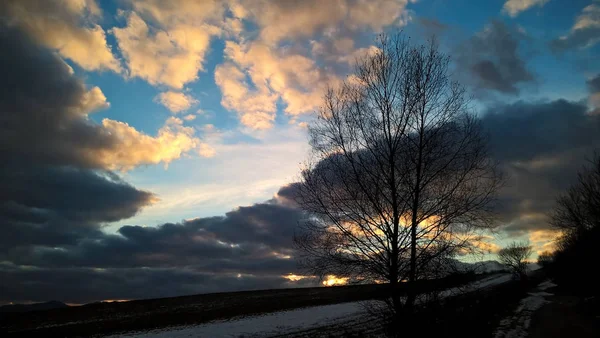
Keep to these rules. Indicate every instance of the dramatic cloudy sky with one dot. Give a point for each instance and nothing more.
(147, 146)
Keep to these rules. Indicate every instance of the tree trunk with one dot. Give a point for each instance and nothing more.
(412, 276)
(412, 292)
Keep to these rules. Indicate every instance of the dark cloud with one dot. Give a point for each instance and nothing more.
(584, 33)
(82, 285)
(491, 60)
(251, 235)
(594, 98)
(541, 146)
(594, 84)
(57, 195)
(60, 205)
(253, 242)
(44, 108)
(525, 131)
(48, 195)
(75, 194)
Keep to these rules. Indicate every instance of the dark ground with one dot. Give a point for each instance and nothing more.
(105, 318)
(566, 315)
(475, 314)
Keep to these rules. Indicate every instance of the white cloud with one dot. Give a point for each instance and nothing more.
(68, 26)
(176, 101)
(585, 32)
(514, 7)
(205, 150)
(189, 117)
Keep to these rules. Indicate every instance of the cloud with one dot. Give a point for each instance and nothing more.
(59, 193)
(543, 240)
(274, 75)
(585, 32)
(82, 285)
(165, 43)
(204, 254)
(172, 141)
(205, 150)
(53, 206)
(542, 146)
(300, 48)
(490, 60)
(67, 26)
(175, 101)
(45, 117)
(256, 108)
(514, 7)
(58, 190)
(291, 20)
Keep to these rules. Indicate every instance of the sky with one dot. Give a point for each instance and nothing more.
(149, 146)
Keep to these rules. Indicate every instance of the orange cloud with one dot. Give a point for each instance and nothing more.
(136, 148)
(514, 7)
(256, 108)
(485, 243)
(176, 101)
(172, 55)
(295, 278)
(294, 78)
(280, 20)
(544, 240)
(259, 71)
(68, 26)
(332, 280)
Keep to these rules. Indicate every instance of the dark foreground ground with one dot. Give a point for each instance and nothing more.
(567, 315)
(476, 313)
(105, 318)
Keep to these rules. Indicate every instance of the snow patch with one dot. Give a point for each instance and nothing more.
(546, 285)
(262, 326)
(516, 326)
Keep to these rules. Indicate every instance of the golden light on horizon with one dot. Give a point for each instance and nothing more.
(332, 280)
(294, 278)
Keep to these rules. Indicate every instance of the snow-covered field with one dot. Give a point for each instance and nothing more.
(294, 320)
(264, 325)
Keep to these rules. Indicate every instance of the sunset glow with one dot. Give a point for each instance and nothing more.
(334, 281)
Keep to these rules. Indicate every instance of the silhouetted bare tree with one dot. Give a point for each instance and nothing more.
(401, 177)
(577, 216)
(579, 209)
(515, 257)
(545, 259)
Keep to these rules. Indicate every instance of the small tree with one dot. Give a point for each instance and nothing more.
(515, 256)
(401, 176)
(545, 259)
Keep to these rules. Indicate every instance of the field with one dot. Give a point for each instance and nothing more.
(306, 312)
